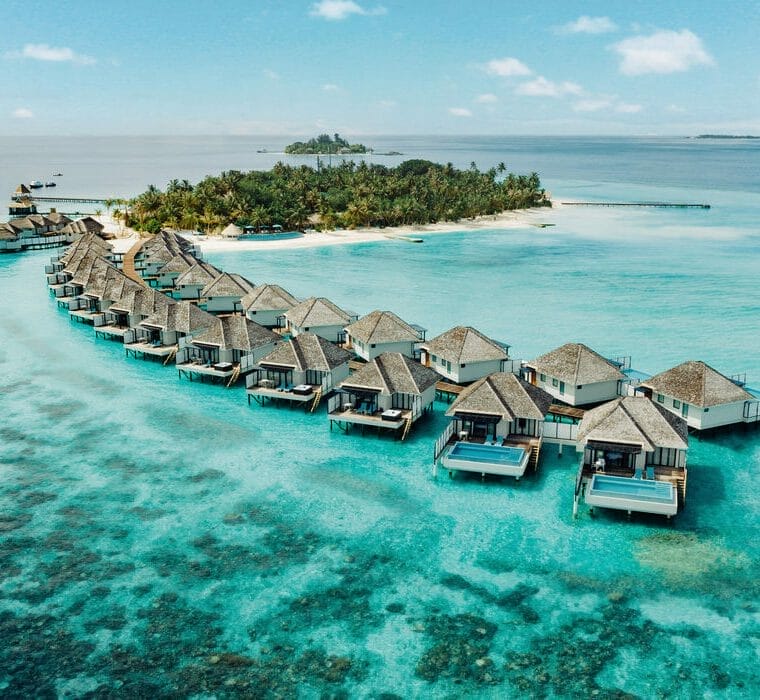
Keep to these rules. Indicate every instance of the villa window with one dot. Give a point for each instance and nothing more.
(433, 358)
(373, 345)
(676, 403)
(542, 377)
(660, 398)
(463, 366)
(555, 382)
(707, 410)
(448, 366)
(562, 387)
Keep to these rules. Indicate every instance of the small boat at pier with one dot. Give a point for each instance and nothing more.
(35, 184)
(50, 184)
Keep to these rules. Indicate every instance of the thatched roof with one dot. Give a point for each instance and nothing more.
(227, 285)
(144, 301)
(634, 420)
(576, 363)
(85, 225)
(232, 231)
(180, 263)
(307, 351)
(315, 312)
(89, 241)
(7, 233)
(182, 317)
(268, 297)
(92, 273)
(504, 395)
(382, 327)
(200, 273)
(698, 384)
(236, 333)
(392, 373)
(99, 287)
(22, 189)
(463, 344)
(117, 286)
(58, 219)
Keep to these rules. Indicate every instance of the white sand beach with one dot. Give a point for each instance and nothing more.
(125, 236)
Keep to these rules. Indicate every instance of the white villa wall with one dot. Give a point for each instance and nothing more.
(330, 333)
(340, 373)
(370, 351)
(596, 392)
(267, 318)
(221, 305)
(714, 417)
(190, 291)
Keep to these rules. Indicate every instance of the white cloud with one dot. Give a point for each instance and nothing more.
(340, 9)
(588, 25)
(387, 104)
(330, 87)
(506, 67)
(486, 98)
(541, 87)
(272, 75)
(592, 105)
(43, 52)
(460, 111)
(675, 109)
(23, 113)
(625, 108)
(662, 52)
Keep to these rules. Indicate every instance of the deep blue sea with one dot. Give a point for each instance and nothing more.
(162, 538)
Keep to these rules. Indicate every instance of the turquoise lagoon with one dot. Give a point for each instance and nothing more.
(161, 537)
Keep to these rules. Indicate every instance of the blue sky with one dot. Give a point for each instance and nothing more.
(379, 67)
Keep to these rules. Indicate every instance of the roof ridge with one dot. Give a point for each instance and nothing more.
(298, 352)
(382, 372)
(321, 348)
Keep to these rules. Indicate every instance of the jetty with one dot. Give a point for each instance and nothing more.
(74, 200)
(671, 205)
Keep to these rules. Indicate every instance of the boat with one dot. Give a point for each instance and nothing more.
(50, 184)
(35, 184)
(57, 174)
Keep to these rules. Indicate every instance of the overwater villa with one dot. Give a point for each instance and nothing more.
(86, 287)
(267, 304)
(35, 231)
(231, 231)
(496, 427)
(167, 274)
(463, 354)
(223, 295)
(158, 335)
(576, 375)
(157, 251)
(190, 283)
(320, 316)
(228, 348)
(389, 393)
(87, 224)
(111, 323)
(702, 396)
(301, 370)
(382, 331)
(69, 283)
(634, 457)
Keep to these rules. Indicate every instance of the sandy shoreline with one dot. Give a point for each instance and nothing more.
(125, 237)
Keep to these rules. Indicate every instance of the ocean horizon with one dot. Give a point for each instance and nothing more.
(162, 537)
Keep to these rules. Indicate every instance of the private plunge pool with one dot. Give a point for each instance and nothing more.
(631, 494)
(486, 459)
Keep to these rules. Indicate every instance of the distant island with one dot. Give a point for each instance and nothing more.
(725, 136)
(349, 195)
(324, 145)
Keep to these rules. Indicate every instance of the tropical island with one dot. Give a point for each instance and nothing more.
(325, 145)
(349, 195)
(727, 136)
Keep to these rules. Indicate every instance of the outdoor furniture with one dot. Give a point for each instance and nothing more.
(390, 414)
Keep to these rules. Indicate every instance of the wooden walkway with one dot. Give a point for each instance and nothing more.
(128, 264)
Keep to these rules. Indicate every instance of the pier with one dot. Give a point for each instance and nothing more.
(672, 205)
(72, 200)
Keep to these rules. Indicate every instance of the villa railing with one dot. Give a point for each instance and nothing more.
(334, 402)
(751, 411)
(442, 441)
(560, 431)
(511, 366)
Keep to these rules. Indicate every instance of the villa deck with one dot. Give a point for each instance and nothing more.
(83, 316)
(143, 350)
(224, 372)
(348, 415)
(109, 332)
(306, 395)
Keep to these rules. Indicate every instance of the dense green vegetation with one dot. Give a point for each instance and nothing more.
(324, 145)
(345, 196)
